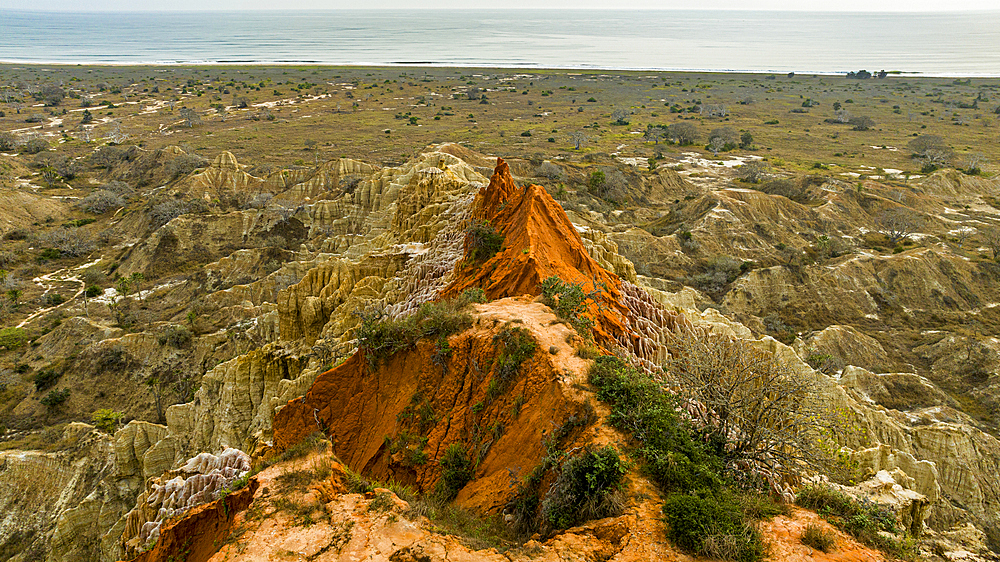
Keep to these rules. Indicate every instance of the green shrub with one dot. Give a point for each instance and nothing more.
(517, 347)
(482, 241)
(12, 338)
(713, 526)
(46, 378)
(474, 294)
(456, 471)
(674, 454)
(380, 338)
(411, 446)
(175, 335)
(356, 483)
(49, 254)
(55, 397)
(568, 301)
(93, 291)
(709, 513)
(419, 414)
(106, 420)
(869, 522)
(54, 299)
(381, 502)
(588, 486)
(817, 537)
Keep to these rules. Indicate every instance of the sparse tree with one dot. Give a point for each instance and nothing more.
(898, 223)
(190, 116)
(973, 163)
(117, 135)
(963, 234)
(754, 171)
(749, 398)
(931, 150)
(620, 116)
(842, 115)
(578, 139)
(655, 133)
(715, 144)
(51, 95)
(862, 123)
(7, 141)
(722, 138)
(991, 238)
(683, 133)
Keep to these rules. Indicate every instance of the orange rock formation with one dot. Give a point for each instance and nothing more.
(197, 536)
(540, 242)
(373, 415)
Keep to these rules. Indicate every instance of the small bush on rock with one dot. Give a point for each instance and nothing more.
(817, 537)
(482, 242)
(588, 486)
(456, 471)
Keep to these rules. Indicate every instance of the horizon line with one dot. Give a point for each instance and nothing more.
(525, 8)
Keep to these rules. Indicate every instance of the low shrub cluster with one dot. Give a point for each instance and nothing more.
(587, 486)
(819, 538)
(100, 202)
(456, 471)
(46, 378)
(12, 338)
(380, 338)
(707, 511)
(869, 522)
(569, 302)
(599, 496)
(166, 211)
(517, 347)
(55, 398)
(106, 420)
(482, 241)
(717, 274)
(175, 335)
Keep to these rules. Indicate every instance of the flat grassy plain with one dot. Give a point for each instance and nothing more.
(295, 115)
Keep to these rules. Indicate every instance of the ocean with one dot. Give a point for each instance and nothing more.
(936, 44)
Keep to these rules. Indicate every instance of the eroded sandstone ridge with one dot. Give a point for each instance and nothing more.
(276, 343)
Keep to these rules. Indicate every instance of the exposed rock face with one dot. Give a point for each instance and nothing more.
(390, 239)
(845, 346)
(368, 413)
(201, 480)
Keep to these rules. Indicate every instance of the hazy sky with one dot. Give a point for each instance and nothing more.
(813, 5)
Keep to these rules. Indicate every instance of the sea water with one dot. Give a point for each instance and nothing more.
(945, 44)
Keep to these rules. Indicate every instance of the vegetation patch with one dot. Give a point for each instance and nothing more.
(588, 486)
(708, 509)
(380, 338)
(456, 471)
(482, 242)
(517, 347)
(12, 338)
(569, 302)
(871, 523)
(817, 537)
